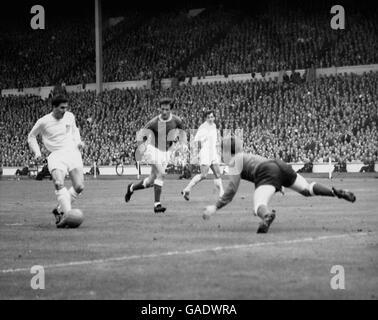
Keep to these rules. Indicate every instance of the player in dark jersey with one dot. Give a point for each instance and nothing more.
(161, 132)
(269, 176)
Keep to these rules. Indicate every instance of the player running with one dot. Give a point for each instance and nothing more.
(157, 151)
(269, 176)
(207, 138)
(61, 137)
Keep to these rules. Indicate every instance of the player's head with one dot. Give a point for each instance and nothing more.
(230, 147)
(60, 105)
(165, 107)
(209, 116)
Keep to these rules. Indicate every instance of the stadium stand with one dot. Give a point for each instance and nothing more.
(333, 117)
(170, 43)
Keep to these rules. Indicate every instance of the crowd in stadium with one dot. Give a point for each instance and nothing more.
(286, 40)
(165, 44)
(333, 117)
(295, 119)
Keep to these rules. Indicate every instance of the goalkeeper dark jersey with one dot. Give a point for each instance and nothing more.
(259, 170)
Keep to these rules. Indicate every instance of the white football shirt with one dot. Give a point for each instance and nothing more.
(61, 134)
(208, 136)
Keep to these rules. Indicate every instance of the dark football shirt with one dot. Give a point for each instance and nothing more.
(165, 131)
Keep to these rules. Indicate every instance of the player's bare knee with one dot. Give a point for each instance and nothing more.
(58, 184)
(217, 175)
(308, 191)
(261, 211)
(79, 188)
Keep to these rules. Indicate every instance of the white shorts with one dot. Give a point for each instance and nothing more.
(207, 157)
(65, 160)
(153, 155)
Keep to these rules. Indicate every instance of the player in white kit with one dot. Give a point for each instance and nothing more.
(61, 137)
(207, 137)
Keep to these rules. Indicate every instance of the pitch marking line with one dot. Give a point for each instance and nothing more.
(185, 252)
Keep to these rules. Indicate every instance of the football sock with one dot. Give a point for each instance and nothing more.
(320, 190)
(262, 211)
(64, 200)
(219, 186)
(73, 194)
(140, 185)
(158, 185)
(197, 178)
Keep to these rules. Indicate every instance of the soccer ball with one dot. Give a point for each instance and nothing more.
(72, 219)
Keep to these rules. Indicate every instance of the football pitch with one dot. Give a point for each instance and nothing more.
(126, 251)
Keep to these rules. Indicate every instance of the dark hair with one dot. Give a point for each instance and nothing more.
(57, 100)
(166, 100)
(206, 113)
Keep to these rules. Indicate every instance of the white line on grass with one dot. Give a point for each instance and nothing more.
(185, 252)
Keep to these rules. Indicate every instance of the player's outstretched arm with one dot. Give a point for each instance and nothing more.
(227, 197)
(32, 140)
(76, 135)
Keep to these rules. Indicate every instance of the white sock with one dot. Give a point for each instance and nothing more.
(219, 186)
(73, 194)
(63, 198)
(145, 181)
(197, 178)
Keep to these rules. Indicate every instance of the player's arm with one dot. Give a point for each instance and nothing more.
(179, 123)
(151, 124)
(180, 129)
(76, 134)
(198, 138)
(32, 140)
(177, 137)
(227, 197)
(147, 132)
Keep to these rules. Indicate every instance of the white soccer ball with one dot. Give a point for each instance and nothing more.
(72, 219)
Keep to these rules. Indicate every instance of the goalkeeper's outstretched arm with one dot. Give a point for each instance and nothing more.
(227, 197)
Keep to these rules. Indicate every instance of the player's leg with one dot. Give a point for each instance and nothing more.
(261, 198)
(62, 194)
(77, 179)
(158, 187)
(142, 184)
(217, 180)
(58, 168)
(195, 180)
(301, 186)
(269, 179)
(74, 163)
(149, 155)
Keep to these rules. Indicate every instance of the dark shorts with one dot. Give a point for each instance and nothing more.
(275, 173)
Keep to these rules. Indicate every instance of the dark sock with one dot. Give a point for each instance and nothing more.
(139, 185)
(157, 190)
(262, 211)
(321, 190)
